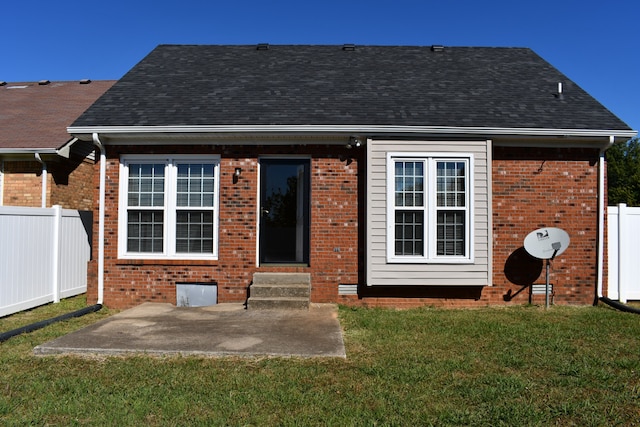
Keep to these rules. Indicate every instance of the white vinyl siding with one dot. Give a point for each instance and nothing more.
(448, 257)
(168, 207)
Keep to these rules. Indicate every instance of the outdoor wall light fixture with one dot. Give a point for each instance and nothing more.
(354, 141)
(236, 174)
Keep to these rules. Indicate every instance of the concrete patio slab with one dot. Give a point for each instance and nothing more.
(218, 330)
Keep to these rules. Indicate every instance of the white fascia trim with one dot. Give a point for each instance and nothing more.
(65, 149)
(29, 151)
(349, 129)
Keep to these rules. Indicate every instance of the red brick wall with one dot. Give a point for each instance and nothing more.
(532, 188)
(535, 188)
(334, 229)
(71, 184)
(22, 185)
(68, 184)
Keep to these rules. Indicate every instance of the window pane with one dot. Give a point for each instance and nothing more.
(409, 183)
(408, 200)
(145, 230)
(408, 168)
(146, 185)
(451, 184)
(450, 235)
(207, 199)
(196, 184)
(182, 199)
(419, 183)
(194, 231)
(208, 185)
(183, 185)
(409, 237)
(419, 199)
(134, 185)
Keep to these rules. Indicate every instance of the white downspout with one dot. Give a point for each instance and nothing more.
(103, 174)
(44, 180)
(602, 205)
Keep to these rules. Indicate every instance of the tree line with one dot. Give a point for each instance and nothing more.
(623, 173)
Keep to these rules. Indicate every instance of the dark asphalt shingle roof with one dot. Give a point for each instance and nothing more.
(34, 116)
(326, 85)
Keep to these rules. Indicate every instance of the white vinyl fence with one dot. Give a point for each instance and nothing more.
(43, 256)
(624, 244)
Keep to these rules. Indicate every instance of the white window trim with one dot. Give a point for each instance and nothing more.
(169, 207)
(430, 210)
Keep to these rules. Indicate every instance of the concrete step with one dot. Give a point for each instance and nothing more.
(282, 291)
(274, 290)
(278, 303)
(281, 278)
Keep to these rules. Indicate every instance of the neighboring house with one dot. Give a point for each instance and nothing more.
(392, 175)
(40, 165)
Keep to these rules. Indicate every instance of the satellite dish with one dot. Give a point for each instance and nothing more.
(546, 243)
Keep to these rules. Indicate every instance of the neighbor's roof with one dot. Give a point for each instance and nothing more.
(35, 115)
(187, 85)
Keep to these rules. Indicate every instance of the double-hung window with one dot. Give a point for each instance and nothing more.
(169, 207)
(429, 208)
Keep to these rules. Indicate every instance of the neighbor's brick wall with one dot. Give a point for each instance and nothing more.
(22, 184)
(334, 230)
(69, 184)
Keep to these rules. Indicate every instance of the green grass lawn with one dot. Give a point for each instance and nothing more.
(514, 366)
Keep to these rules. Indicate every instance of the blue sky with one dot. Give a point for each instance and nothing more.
(595, 43)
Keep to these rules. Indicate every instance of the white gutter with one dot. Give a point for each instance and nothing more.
(103, 174)
(349, 129)
(43, 197)
(602, 205)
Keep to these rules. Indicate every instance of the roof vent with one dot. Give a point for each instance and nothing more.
(560, 94)
(85, 81)
(348, 47)
(262, 46)
(437, 48)
(43, 82)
